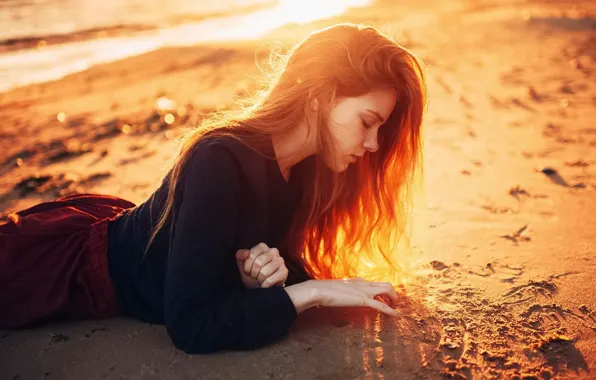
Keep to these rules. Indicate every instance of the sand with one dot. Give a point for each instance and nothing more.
(505, 281)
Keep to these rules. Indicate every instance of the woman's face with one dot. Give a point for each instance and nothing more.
(354, 124)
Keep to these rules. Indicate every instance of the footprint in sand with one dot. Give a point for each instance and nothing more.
(453, 347)
(533, 288)
(483, 335)
(505, 273)
(530, 290)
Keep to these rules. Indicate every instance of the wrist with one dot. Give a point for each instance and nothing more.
(304, 295)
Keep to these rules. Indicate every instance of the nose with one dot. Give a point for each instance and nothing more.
(370, 143)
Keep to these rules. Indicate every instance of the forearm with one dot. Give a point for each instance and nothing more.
(239, 319)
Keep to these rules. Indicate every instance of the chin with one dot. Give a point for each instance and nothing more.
(338, 167)
(340, 170)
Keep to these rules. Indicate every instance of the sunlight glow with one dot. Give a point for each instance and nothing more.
(56, 61)
(302, 11)
(407, 250)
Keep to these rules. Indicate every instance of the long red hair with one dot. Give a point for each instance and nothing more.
(349, 223)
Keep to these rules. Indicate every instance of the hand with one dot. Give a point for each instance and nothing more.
(339, 293)
(261, 267)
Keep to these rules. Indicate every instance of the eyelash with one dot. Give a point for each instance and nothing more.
(365, 124)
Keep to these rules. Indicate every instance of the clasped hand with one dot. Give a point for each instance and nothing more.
(261, 267)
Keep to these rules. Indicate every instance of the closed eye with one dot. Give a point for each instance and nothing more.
(365, 124)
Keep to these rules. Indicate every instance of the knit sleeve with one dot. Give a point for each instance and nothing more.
(202, 314)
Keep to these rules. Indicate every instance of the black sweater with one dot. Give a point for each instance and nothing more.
(229, 198)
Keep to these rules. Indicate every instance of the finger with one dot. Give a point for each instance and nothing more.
(262, 260)
(386, 288)
(270, 268)
(382, 307)
(276, 278)
(242, 254)
(356, 298)
(254, 253)
(372, 289)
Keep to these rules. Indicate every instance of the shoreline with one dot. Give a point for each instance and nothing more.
(22, 67)
(24, 42)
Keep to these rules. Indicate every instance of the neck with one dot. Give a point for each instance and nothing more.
(292, 147)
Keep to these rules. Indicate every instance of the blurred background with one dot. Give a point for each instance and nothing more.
(76, 34)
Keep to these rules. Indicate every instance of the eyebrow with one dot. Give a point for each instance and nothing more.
(377, 115)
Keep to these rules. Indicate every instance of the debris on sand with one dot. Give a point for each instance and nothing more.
(520, 104)
(96, 177)
(20, 156)
(56, 185)
(465, 102)
(534, 94)
(127, 161)
(518, 235)
(59, 185)
(552, 130)
(498, 210)
(578, 163)
(67, 150)
(107, 130)
(485, 271)
(517, 191)
(55, 338)
(584, 309)
(30, 184)
(554, 176)
(88, 335)
(438, 265)
(566, 89)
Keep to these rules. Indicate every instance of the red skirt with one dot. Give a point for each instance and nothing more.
(54, 262)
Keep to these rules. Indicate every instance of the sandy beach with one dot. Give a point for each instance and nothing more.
(505, 282)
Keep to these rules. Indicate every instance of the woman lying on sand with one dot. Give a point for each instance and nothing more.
(241, 236)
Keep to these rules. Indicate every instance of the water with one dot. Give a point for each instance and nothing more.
(150, 25)
(40, 18)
